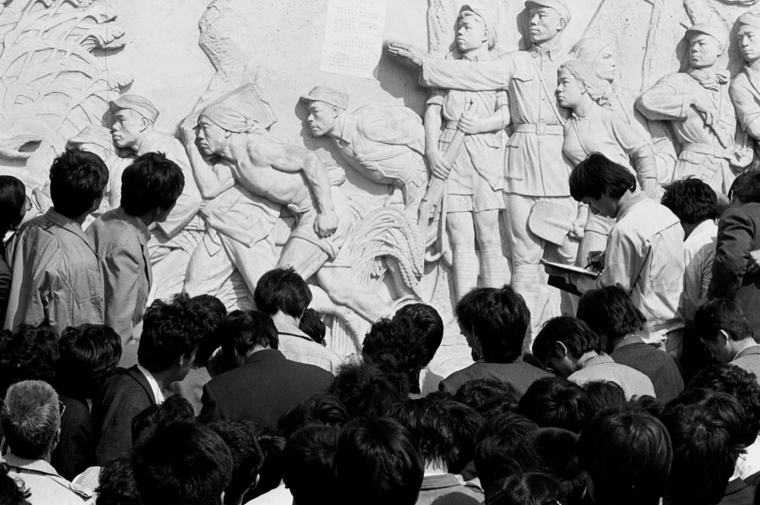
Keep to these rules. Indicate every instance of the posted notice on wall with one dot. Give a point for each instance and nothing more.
(353, 37)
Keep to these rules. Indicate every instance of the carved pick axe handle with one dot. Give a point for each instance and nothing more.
(434, 196)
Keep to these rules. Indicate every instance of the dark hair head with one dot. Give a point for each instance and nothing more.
(627, 456)
(366, 390)
(168, 335)
(406, 343)
(116, 484)
(208, 314)
(553, 451)
(246, 329)
(309, 465)
(30, 418)
(77, 181)
(313, 326)
(498, 318)
(604, 395)
(597, 175)
(558, 403)
(12, 202)
(445, 428)
(173, 410)
(610, 313)
(721, 314)
(12, 491)
(272, 447)
(574, 333)
(88, 356)
(318, 409)
(29, 354)
(646, 403)
(151, 182)
(738, 383)
(524, 489)
(377, 462)
(746, 187)
(282, 289)
(691, 200)
(247, 456)
(181, 462)
(497, 443)
(489, 397)
(704, 450)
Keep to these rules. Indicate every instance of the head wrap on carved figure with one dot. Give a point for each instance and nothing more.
(589, 49)
(481, 10)
(586, 76)
(717, 32)
(558, 5)
(139, 104)
(751, 18)
(328, 95)
(229, 118)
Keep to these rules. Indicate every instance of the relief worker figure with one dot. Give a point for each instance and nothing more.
(745, 88)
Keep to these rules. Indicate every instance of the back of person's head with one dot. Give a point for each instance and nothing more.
(12, 202)
(497, 443)
(88, 356)
(498, 319)
(445, 428)
(424, 324)
(173, 410)
(318, 409)
(646, 403)
(31, 353)
(574, 334)
(553, 402)
(700, 435)
(151, 182)
(488, 396)
(597, 175)
(313, 326)
(691, 200)
(247, 457)
(272, 467)
(182, 462)
(245, 330)
(610, 313)
(746, 187)
(524, 489)
(282, 289)
(168, 338)
(721, 314)
(30, 418)
(367, 390)
(627, 456)
(604, 394)
(377, 462)
(77, 182)
(553, 451)
(208, 314)
(116, 484)
(12, 491)
(738, 383)
(309, 465)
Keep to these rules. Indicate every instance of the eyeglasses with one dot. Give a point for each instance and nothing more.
(61, 407)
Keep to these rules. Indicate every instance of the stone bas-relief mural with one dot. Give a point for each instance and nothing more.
(382, 191)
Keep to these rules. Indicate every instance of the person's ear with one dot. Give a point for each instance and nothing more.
(144, 123)
(560, 349)
(723, 337)
(721, 48)
(589, 484)
(562, 24)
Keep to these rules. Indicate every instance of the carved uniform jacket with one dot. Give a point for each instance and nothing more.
(535, 166)
(56, 275)
(746, 98)
(121, 241)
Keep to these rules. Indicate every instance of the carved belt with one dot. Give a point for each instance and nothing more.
(539, 129)
(708, 150)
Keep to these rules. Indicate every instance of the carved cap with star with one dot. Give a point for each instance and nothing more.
(558, 5)
(137, 103)
(328, 95)
(714, 31)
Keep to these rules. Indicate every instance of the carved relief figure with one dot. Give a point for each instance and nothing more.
(700, 112)
(173, 240)
(292, 177)
(385, 143)
(601, 56)
(475, 177)
(535, 168)
(745, 88)
(594, 128)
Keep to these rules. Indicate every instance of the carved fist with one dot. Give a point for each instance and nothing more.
(187, 128)
(470, 124)
(326, 223)
(407, 52)
(704, 107)
(438, 164)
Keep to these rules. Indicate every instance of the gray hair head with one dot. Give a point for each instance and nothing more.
(30, 418)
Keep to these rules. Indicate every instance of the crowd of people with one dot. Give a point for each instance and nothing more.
(211, 407)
